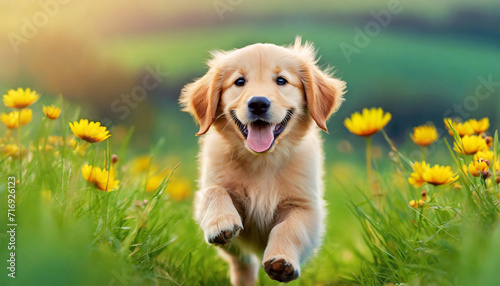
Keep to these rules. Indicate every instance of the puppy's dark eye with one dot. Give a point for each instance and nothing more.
(240, 81)
(281, 81)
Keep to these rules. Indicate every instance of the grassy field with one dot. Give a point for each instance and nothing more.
(71, 233)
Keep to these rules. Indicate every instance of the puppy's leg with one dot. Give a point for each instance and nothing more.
(296, 234)
(217, 216)
(244, 268)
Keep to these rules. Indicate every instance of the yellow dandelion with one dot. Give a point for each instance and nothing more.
(439, 175)
(417, 177)
(101, 179)
(20, 98)
(91, 132)
(462, 129)
(469, 145)
(416, 204)
(478, 168)
(11, 120)
(51, 112)
(367, 123)
(424, 135)
(479, 126)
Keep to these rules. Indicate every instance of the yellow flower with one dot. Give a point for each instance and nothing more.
(153, 183)
(368, 123)
(417, 177)
(469, 145)
(91, 132)
(11, 120)
(488, 139)
(479, 126)
(55, 140)
(424, 135)
(461, 128)
(101, 179)
(143, 164)
(89, 173)
(179, 189)
(477, 168)
(485, 155)
(26, 115)
(48, 147)
(51, 112)
(72, 143)
(439, 175)
(465, 168)
(20, 98)
(10, 150)
(416, 204)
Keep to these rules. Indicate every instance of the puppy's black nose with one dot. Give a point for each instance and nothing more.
(258, 105)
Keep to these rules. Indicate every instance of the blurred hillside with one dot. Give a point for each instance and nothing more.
(127, 60)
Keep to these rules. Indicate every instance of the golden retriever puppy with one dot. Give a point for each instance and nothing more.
(260, 188)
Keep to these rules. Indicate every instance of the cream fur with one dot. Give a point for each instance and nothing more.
(271, 202)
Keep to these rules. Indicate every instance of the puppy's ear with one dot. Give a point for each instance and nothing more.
(201, 98)
(324, 93)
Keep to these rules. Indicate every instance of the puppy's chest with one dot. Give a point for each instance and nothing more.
(257, 202)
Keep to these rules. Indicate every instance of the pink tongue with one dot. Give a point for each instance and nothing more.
(260, 137)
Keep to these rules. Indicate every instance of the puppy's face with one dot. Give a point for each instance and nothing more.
(262, 93)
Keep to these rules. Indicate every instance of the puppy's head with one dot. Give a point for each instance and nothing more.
(263, 94)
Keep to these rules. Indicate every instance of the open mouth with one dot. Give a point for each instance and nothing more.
(261, 134)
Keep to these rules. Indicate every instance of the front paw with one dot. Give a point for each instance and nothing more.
(225, 236)
(221, 231)
(281, 270)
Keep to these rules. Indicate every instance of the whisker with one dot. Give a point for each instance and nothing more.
(225, 127)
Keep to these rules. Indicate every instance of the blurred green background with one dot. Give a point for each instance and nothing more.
(419, 60)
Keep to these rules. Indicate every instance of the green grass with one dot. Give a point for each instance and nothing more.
(70, 233)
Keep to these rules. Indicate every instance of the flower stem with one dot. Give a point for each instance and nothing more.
(47, 136)
(397, 153)
(424, 153)
(19, 137)
(369, 160)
